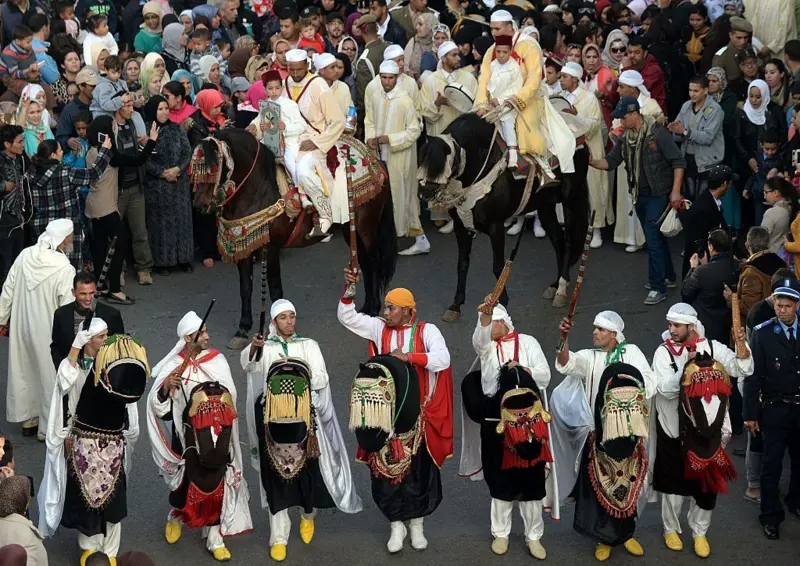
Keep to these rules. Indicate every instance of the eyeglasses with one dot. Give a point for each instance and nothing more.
(619, 49)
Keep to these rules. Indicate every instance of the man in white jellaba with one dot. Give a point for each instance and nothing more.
(304, 489)
(320, 110)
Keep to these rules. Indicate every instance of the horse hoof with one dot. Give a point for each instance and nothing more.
(451, 316)
(560, 301)
(549, 293)
(238, 343)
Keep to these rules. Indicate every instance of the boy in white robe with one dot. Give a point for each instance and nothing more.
(392, 127)
(334, 466)
(291, 125)
(505, 82)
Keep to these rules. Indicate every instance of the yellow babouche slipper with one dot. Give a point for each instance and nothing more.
(306, 530)
(278, 552)
(633, 546)
(173, 531)
(602, 552)
(221, 554)
(673, 541)
(701, 547)
(86, 554)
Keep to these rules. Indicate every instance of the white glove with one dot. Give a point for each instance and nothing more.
(81, 339)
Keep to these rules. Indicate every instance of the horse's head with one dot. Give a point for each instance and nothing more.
(208, 171)
(442, 160)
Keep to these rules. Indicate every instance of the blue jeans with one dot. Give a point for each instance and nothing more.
(659, 262)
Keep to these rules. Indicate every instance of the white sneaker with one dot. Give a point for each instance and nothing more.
(632, 249)
(418, 540)
(508, 222)
(538, 231)
(597, 239)
(421, 246)
(447, 228)
(397, 537)
(517, 228)
(326, 239)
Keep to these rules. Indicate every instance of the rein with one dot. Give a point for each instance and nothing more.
(488, 154)
(246, 177)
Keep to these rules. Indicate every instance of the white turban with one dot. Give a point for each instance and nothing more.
(323, 60)
(393, 52)
(55, 233)
(531, 31)
(500, 313)
(609, 320)
(446, 48)
(389, 68)
(97, 326)
(296, 56)
(682, 313)
(189, 324)
(573, 69)
(633, 79)
(501, 16)
(278, 307)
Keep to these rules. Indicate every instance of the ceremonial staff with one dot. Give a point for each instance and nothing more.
(581, 269)
(103, 274)
(741, 343)
(486, 308)
(255, 351)
(350, 292)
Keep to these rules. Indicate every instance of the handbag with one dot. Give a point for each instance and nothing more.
(671, 225)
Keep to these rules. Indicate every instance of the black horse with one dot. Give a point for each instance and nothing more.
(474, 135)
(377, 242)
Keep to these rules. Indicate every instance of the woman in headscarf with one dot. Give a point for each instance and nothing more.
(615, 50)
(148, 39)
(174, 48)
(237, 62)
(167, 195)
(131, 72)
(187, 20)
(33, 118)
(98, 54)
(154, 61)
(348, 45)
(718, 90)
(600, 81)
(185, 78)
(151, 83)
(209, 71)
(759, 115)
(15, 527)
(351, 30)
(208, 119)
(420, 44)
(212, 14)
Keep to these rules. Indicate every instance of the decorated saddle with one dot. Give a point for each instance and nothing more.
(704, 399)
(385, 416)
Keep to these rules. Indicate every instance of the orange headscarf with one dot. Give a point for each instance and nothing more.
(401, 297)
(206, 101)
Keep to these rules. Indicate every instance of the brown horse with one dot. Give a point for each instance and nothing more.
(256, 189)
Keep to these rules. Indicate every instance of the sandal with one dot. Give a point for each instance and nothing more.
(111, 298)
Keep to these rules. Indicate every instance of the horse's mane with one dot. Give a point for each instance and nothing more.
(470, 131)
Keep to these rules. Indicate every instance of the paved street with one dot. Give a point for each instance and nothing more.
(458, 532)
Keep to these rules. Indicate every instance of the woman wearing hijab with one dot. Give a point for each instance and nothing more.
(209, 71)
(600, 81)
(212, 14)
(15, 527)
(154, 61)
(420, 44)
(718, 90)
(351, 30)
(174, 48)
(187, 20)
(168, 198)
(33, 118)
(185, 78)
(208, 118)
(237, 62)
(131, 72)
(148, 39)
(759, 115)
(98, 53)
(615, 50)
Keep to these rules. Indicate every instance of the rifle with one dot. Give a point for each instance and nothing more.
(255, 352)
(103, 274)
(581, 270)
(350, 292)
(486, 308)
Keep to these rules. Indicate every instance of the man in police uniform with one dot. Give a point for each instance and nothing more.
(370, 59)
(774, 391)
(740, 35)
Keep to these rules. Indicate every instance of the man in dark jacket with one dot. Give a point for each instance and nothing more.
(756, 274)
(388, 27)
(704, 286)
(68, 319)
(655, 170)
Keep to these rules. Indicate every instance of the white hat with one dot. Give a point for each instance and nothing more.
(609, 320)
(572, 68)
(55, 233)
(501, 16)
(552, 8)
(390, 68)
(682, 313)
(500, 313)
(393, 52)
(278, 307)
(633, 79)
(96, 326)
(296, 55)
(189, 324)
(446, 48)
(323, 60)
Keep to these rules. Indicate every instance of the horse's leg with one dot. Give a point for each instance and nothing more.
(498, 238)
(464, 240)
(549, 220)
(240, 339)
(274, 272)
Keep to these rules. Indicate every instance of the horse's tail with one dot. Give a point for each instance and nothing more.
(383, 255)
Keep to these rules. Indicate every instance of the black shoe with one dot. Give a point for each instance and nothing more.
(187, 267)
(795, 511)
(772, 532)
(163, 271)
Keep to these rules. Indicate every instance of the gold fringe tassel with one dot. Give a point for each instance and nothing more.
(289, 406)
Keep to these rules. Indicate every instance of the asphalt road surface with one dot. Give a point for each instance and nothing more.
(458, 532)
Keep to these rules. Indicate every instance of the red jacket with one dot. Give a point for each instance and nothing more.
(654, 80)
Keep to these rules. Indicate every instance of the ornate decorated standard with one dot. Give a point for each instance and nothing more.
(579, 281)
